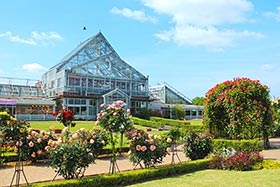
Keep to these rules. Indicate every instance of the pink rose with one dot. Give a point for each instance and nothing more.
(91, 141)
(31, 144)
(143, 148)
(29, 137)
(33, 155)
(153, 147)
(19, 143)
(47, 148)
(138, 147)
(75, 136)
(39, 152)
(39, 140)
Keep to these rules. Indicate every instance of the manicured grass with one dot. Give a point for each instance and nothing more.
(263, 178)
(195, 121)
(45, 125)
(89, 125)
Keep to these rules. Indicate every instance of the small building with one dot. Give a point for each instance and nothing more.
(92, 74)
(164, 97)
(24, 99)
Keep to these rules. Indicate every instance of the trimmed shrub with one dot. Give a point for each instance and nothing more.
(238, 145)
(197, 147)
(146, 123)
(242, 161)
(130, 177)
(170, 122)
(266, 164)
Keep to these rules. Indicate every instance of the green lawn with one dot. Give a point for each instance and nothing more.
(89, 125)
(219, 178)
(195, 121)
(45, 125)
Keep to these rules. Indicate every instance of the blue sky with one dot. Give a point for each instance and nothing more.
(190, 44)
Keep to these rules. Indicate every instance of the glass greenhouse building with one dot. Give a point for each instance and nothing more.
(164, 97)
(92, 74)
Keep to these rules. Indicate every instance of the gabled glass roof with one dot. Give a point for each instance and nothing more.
(96, 57)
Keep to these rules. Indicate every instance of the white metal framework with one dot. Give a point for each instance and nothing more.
(167, 94)
(164, 97)
(92, 70)
(24, 99)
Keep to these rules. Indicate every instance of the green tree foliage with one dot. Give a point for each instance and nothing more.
(143, 113)
(198, 101)
(238, 109)
(178, 112)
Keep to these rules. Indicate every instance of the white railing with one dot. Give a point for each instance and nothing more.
(35, 117)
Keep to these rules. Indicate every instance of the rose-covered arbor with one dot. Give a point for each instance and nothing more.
(239, 109)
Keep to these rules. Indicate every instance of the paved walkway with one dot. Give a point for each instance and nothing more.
(41, 172)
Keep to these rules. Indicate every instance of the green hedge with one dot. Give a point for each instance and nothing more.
(238, 145)
(146, 123)
(106, 151)
(130, 177)
(156, 122)
(170, 122)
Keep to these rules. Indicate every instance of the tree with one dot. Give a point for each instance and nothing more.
(239, 109)
(198, 101)
(178, 112)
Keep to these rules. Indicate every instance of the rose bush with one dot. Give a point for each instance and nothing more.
(197, 147)
(114, 119)
(146, 148)
(66, 117)
(238, 109)
(71, 155)
(34, 143)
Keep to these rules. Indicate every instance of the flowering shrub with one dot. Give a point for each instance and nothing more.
(66, 117)
(238, 109)
(34, 143)
(13, 130)
(146, 148)
(242, 161)
(5, 118)
(174, 134)
(72, 155)
(197, 147)
(114, 117)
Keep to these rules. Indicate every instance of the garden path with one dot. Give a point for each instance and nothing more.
(41, 172)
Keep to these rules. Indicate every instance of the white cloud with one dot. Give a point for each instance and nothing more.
(200, 22)
(267, 67)
(34, 68)
(37, 38)
(275, 15)
(17, 39)
(134, 14)
(210, 36)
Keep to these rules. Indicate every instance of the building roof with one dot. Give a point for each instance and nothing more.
(96, 57)
(168, 95)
